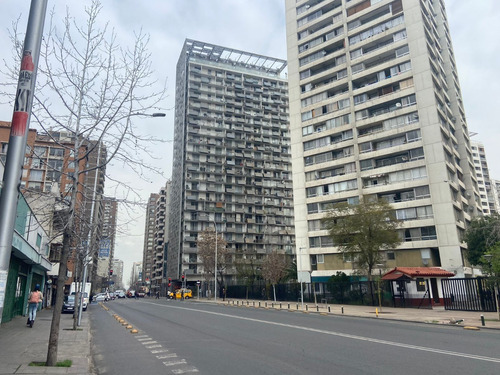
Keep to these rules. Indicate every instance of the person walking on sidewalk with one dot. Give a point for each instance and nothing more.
(34, 299)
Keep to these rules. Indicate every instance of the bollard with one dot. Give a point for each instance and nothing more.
(342, 310)
(280, 305)
(297, 306)
(317, 308)
(272, 305)
(253, 303)
(482, 320)
(266, 304)
(259, 303)
(376, 312)
(288, 306)
(307, 307)
(328, 308)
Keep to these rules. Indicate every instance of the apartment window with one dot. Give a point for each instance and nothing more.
(320, 258)
(36, 175)
(57, 152)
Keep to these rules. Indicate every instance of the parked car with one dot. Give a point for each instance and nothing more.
(120, 294)
(85, 300)
(68, 304)
(112, 295)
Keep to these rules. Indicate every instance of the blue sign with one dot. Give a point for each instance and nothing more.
(104, 248)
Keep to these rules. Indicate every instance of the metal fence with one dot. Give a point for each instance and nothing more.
(472, 294)
(346, 293)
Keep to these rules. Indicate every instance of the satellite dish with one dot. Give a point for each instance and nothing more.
(398, 105)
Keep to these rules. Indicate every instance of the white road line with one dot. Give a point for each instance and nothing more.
(149, 342)
(153, 346)
(141, 336)
(165, 356)
(184, 370)
(144, 339)
(175, 363)
(159, 351)
(345, 335)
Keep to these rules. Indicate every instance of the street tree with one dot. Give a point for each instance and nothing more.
(482, 234)
(206, 250)
(92, 90)
(274, 269)
(363, 231)
(248, 270)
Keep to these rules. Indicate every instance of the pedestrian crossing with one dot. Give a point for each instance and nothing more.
(173, 363)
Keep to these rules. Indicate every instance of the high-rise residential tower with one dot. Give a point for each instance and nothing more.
(148, 252)
(231, 157)
(487, 188)
(158, 281)
(376, 111)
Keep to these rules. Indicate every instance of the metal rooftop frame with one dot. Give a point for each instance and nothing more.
(234, 57)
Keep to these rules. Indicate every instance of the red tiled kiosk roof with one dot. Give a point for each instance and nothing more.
(413, 272)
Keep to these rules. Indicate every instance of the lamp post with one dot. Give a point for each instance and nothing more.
(299, 265)
(379, 265)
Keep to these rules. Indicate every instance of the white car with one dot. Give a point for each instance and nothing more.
(100, 297)
(85, 300)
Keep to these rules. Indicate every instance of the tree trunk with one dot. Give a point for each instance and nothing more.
(56, 315)
(274, 292)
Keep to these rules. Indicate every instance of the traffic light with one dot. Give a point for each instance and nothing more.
(110, 272)
(182, 277)
(169, 282)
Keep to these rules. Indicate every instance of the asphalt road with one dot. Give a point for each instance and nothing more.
(189, 337)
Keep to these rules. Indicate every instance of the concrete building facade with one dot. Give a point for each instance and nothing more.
(487, 187)
(158, 281)
(231, 165)
(376, 111)
(148, 252)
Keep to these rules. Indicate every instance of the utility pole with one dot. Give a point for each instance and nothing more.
(18, 137)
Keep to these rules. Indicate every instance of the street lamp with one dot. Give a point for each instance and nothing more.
(379, 265)
(299, 265)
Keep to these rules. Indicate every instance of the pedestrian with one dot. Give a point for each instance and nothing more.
(34, 299)
(157, 294)
(182, 295)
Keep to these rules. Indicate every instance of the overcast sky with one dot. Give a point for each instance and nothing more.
(258, 26)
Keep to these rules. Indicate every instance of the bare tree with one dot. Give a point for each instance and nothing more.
(91, 89)
(206, 251)
(274, 269)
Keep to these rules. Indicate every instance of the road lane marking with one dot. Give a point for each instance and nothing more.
(184, 371)
(165, 356)
(345, 335)
(144, 339)
(153, 346)
(159, 351)
(149, 342)
(175, 363)
(141, 336)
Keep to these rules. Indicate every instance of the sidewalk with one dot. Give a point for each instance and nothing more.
(438, 315)
(20, 345)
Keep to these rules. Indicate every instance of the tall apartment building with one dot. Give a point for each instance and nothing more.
(49, 165)
(158, 280)
(148, 252)
(376, 111)
(106, 250)
(117, 277)
(487, 193)
(231, 166)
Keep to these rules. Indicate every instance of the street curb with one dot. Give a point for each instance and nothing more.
(393, 319)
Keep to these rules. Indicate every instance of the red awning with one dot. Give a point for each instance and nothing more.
(414, 272)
